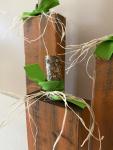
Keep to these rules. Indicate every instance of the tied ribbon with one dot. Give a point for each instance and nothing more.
(44, 6)
(104, 49)
(35, 74)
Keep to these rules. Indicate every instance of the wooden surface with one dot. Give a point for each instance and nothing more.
(103, 103)
(82, 131)
(35, 51)
(48, 116)
(49, 121)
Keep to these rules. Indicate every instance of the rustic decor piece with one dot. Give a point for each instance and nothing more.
(45, 33)
(48, 117)
(57, 120)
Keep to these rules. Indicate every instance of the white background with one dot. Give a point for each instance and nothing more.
(86, 19)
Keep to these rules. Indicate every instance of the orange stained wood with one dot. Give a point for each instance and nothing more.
(103, 103)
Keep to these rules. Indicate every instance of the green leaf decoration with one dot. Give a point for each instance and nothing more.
(104, 50)
(35, 73)
(109, 38)
(44, 6)
(76, 101)
(52, 85)
(71, 99)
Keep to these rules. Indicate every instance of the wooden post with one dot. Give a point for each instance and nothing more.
(48, 116)
(35, 51)
(103, 103)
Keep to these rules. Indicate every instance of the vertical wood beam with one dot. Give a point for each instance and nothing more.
(48, 116)
(103, 103)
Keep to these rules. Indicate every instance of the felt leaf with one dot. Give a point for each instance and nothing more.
(44, 6)
(71, 99)
(109, 38)
(52, 85)
(77, 102)
(104, 50)
(35, 73)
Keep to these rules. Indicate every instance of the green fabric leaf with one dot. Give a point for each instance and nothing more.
(109, 38)
(76, 101)
(35, 73)
(71, 99)
(44, 6)
(104, 50)
(52, 85)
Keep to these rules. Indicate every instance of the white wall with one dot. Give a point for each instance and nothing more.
(13, 135)
(12, 78)
(86, 20)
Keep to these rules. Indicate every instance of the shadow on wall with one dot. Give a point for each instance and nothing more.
(92, 23)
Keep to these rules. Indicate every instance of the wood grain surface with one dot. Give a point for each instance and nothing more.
(35, 51)
(82, 131)
(48, 116)
(49, 123)
(103, 103)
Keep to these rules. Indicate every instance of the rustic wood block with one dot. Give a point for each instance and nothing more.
(35, 51)
(49, 122)
(48, 116)
(103, 103)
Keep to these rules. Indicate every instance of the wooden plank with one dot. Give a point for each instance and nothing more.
(103, 103)
(48, 116)
(50, 123)
(35, 52)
